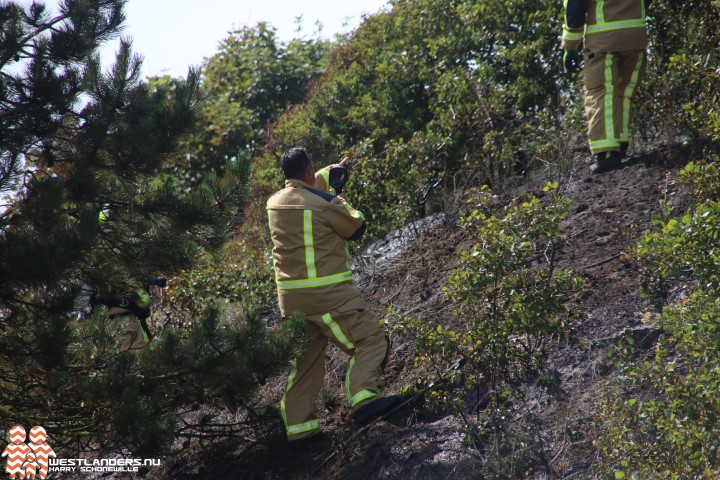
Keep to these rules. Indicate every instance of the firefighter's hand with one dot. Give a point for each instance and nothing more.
(571, 60)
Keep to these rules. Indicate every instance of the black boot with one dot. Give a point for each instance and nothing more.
(606, 161)
(624, 149)
(376, 408)
(316, 442)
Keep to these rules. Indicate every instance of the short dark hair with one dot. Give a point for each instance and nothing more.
(294, 162)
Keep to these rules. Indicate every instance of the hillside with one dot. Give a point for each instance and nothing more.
(606, 214)
(110, 181)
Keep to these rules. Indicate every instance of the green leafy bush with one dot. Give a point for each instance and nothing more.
(680, 93)
(432, 96)
(659, 419)
(247, 84)
(435, 95)
(511, 305)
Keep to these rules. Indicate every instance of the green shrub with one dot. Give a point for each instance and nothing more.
(431, 91)
(511, 306)
(679, 95)
(659, 419)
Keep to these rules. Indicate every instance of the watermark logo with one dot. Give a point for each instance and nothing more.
(32, 460)
(27, 461)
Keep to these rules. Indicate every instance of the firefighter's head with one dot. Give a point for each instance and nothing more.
(296, 164)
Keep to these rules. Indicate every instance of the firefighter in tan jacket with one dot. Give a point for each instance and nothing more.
(310, 229)
(615, 37)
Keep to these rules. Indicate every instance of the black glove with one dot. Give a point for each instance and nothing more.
(157, 282)
(338, 177)
(571, 60)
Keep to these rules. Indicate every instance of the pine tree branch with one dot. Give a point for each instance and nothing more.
(113, 104)
(228, 426)
(24, 41)
(7, 171)
(190, 371)
(36, 308)
(101, 34)
(11, 414)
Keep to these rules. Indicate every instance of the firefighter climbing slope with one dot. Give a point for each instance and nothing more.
(614, 36)
(310, 228)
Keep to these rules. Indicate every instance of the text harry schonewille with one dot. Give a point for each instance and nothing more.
(72, 465)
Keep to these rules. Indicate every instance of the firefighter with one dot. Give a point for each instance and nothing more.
(134, 308)
(614, 34)
(310, 229)
(136, 311)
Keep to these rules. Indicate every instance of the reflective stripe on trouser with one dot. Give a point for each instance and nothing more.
(304, 383)
(357, 332)
(611, 80)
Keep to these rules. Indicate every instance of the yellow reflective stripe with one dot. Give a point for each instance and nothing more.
(619, 25)
(629, 90)
(291, 380)
(309, 244)
(605, 143)
(143, 298)
(314, 282)
(347, 380)
(353, 213)
(571, 36)
(302, 427)
(291, 376)
(567, 34)
(325, 174)
(271, 231)
(360, 396)
(613, 142)
(609, 94)
(144, 334)
(601, 25)
(337, 331)
(347, 254)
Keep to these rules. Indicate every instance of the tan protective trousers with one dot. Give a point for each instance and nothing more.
(134, 337)
(357, 331)
(610, 82)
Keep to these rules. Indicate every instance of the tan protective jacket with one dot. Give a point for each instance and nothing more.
(310, 229)
(605, 25)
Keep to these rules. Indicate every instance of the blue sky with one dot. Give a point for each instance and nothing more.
(174, 34)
